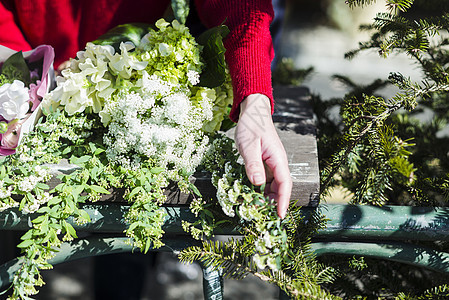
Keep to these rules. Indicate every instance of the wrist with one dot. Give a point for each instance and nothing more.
(256, 103)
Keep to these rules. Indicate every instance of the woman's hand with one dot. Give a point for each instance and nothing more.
(262, 151)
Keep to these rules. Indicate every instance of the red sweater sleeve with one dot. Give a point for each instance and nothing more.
(249, 49)
(14, 38)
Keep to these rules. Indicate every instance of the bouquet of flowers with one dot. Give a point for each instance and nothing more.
(24, 80)
(149, 111)
(138, 109)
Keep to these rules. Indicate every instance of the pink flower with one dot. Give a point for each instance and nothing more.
(10, 139)
(38, 90)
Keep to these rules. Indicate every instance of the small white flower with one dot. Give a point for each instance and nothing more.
(267, 238)
(271, 263)
(259, 261)
(25, 185)
(5, 193)
(177, 108)
(193, 77)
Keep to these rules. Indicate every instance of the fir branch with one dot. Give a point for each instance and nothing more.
(340, 157)
(234, 259)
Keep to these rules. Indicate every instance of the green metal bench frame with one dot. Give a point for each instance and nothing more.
(386, 233)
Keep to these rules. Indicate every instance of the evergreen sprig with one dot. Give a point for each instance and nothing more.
(384, 152)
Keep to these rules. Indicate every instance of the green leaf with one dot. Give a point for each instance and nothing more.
(67, 150)
(44, 209)
(194, 190)
(180, 9)
(208, 213)
(133, 226)
(132, 32)
(214, 73)
(227, 124)
(157, 170)
(98, 151)
(99, 189)
(8, 180)
(77, 190)
(147, 245)
(70, 205)
(40, 219)
(60, 186)
(28, 235)
(84, 215)
(92, 147)
(135, 191)
(25, 244)
(42, 186)
(15, 67)
(80, 161)
(70, 230)
(44, 227)
(2, 172)
(94, 172)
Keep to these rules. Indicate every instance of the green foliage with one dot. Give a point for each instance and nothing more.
(214, 73)
(131, 32)
(72, 138)
(383, 151)
(394, 5)
(385, 154)
(15, 67)
(378, 279)
(300, 274)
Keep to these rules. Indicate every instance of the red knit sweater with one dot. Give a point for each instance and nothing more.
(68, 25)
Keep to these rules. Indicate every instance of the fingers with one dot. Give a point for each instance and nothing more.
(259, 144)
(280, 188)
(252, 157)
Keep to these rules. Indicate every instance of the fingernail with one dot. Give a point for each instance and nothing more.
(258, 179)
(282, 214)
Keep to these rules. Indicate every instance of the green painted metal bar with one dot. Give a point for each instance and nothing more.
(345, 221)
(386, 223)
(398, 252)
(108, 218)
(212, 283)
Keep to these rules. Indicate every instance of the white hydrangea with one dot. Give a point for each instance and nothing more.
(147, 97)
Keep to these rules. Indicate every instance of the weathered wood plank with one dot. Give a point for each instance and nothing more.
(294, 120)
